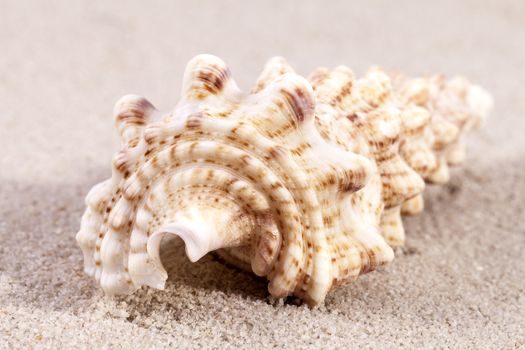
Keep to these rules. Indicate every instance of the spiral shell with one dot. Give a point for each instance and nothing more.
(363, 117)
(299, 181)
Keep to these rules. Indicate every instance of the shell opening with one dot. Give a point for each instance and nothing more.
(197, 238)
(203, 229)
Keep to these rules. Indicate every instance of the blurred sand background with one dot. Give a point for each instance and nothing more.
(460, 283)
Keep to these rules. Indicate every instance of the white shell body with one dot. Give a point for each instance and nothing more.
(301, 182)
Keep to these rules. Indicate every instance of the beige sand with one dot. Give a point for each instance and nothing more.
(63, 64)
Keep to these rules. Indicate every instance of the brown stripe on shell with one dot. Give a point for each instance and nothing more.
(300, 103)
(120, 161)
(345, 91)
(134, 112)
(214, 78)
(194, 120)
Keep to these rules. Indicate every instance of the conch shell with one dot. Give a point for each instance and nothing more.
(301, 182)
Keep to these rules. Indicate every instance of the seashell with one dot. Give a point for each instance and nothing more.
(300, 182)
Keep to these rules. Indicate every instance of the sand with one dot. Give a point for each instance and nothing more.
(459, 283)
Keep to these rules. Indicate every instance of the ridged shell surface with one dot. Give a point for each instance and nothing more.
(299, 181)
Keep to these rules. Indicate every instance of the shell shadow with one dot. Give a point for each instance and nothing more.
(209, 273)
(192, 285)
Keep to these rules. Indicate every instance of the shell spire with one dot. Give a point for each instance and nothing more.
(299, 181)
(455, 108)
